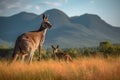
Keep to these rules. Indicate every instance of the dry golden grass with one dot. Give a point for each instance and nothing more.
(79, 69)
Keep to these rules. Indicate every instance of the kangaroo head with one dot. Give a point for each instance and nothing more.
(45, 23)
(55, 49)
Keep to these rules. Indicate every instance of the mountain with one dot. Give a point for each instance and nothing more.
(2, 42)
(77, 31)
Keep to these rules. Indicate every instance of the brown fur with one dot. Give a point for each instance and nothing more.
(61, 55)
(28, 42)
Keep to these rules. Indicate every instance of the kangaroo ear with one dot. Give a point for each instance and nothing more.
(52, 46)
(57, 46)
(43, 16)
(46, 17)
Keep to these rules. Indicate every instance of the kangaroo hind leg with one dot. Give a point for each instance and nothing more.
(30, 56)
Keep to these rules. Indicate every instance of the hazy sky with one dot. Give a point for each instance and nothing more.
(108, 10)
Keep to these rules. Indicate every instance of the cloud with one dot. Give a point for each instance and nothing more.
(92, 1)
(13, 6)
(66, 1)
(52, 3)
(18, 5)
(8, 7)
(28, 7)
(6, 4)
(37, 7)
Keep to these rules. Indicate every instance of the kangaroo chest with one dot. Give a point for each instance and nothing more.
(40, 38)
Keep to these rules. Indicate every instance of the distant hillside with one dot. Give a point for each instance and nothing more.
(77, 31)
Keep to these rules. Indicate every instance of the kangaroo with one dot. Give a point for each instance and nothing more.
(28, 42)
(61, 55)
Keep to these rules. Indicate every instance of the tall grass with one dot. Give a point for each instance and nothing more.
(80, 69)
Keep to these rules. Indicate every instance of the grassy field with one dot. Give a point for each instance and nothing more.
(80, 69)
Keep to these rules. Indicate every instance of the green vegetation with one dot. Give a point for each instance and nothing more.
(4, 47)
(109, 49)
(104, 49)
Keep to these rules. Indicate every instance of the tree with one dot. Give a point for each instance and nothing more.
(105, 46)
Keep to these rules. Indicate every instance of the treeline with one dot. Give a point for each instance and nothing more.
(104, 49)
(109, 49)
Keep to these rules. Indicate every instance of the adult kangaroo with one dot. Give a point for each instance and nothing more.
(61, 55)
(28, 42)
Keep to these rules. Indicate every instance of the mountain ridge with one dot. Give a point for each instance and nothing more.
(77, 31)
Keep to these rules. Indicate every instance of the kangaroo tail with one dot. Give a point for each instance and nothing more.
(16, 47)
